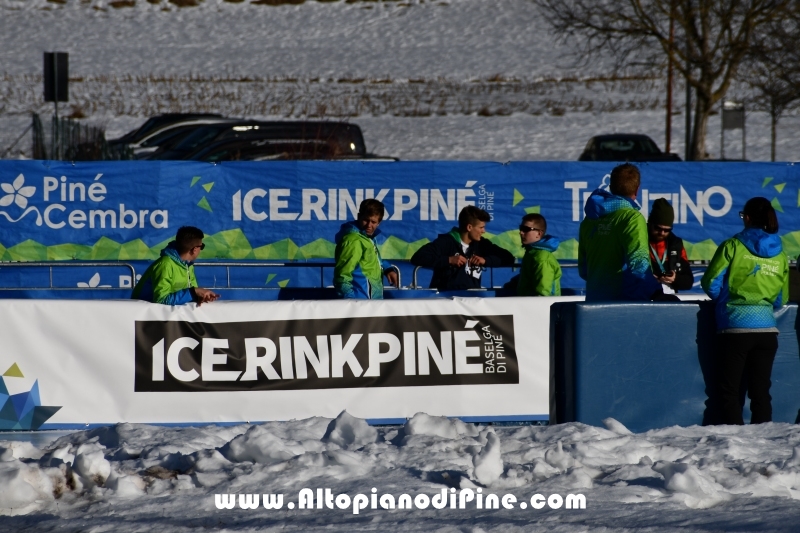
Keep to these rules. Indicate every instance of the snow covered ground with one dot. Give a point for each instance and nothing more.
(131, 478)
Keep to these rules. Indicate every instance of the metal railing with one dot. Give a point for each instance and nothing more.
(514, 267)
(60, 264)
(251, 264)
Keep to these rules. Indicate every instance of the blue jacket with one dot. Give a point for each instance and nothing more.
(359, 267)
(613, 250)
(168, 280)
(748, 278)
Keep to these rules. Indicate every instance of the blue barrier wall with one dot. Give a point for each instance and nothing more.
(647, 365)
(291, 210)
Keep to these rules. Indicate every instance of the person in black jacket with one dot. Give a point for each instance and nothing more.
(459, 257)
(667, 255)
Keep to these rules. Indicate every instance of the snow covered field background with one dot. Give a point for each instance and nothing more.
(461, 79)
(458, 79)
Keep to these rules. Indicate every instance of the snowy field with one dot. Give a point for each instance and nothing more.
(131, 478)
(415, 75)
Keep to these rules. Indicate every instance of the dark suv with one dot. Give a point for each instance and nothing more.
(256, 140)
(624, 147)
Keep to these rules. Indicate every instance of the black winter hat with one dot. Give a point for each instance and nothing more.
(661, 214)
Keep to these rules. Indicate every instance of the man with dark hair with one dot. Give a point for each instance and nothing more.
(667, 255)
(540, 274)
(613, 255)
(459, 257)
(359, 268)
(170, 279)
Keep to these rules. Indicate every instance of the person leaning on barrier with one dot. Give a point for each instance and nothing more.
(459, 257)
(170, 279)
(359, 269)
(667, 254)
(540, 274)
(613, 254)
(748, 278)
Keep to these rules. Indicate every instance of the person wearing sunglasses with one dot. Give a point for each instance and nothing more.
(170, 280)
(667, 255)
(540, 274)
(747, 279)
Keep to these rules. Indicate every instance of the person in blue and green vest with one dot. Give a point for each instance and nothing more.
(359, 268)
(541, 273)
(613, 250)
(748, 279)
(170, 279)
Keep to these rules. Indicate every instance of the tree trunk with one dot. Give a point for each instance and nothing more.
(701, 113)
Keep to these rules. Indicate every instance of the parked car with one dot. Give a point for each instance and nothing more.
(269, 140)
(157, 123)
(624, 147)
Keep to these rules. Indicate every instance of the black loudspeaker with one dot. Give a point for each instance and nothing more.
(56, 77)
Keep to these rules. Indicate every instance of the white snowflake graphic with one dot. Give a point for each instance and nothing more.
(93, 283)
(16, 193)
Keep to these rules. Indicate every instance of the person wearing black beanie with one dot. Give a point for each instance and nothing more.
(667, 254)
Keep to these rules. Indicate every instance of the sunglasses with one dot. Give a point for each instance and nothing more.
(525, 229)
(201, 246)
(661, 229)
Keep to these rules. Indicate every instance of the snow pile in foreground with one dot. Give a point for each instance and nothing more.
(136, 474)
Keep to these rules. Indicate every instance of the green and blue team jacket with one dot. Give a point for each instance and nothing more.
(613, 253)
(540, 274)
(748, 278)
(167, 280)
(359, 268)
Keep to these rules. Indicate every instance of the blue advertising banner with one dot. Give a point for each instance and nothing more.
(292, 210)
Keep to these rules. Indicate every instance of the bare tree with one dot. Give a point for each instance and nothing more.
(772, 68)
(711, 40)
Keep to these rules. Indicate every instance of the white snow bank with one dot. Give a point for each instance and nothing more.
(350, 432)
(131, 475)
(439, 426)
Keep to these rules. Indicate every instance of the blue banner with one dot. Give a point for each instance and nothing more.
(292, 210)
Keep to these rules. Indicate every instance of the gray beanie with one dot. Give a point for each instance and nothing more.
(661, 214)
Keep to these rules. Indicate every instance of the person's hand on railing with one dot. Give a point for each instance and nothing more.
(391, 275)
(205, 295)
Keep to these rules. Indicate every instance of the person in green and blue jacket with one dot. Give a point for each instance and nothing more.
(747, 279)
(540, 274)
(613, 250)
(359, 268)
(170, 279)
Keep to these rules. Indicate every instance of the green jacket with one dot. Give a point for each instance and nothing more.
(359, 269)
(748, 278)
(541, 273)
(167, 281)
(613, 251)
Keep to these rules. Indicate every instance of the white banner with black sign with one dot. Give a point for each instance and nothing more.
(103, 362)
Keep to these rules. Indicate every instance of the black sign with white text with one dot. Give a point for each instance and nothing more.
(398, 351)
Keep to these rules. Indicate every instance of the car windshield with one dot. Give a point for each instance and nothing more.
(198, 137)
(628, 146)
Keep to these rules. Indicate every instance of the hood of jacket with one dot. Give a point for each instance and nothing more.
(759, 242)
(352, 227)
(172, 251)
(547, 243)
(601, 203)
